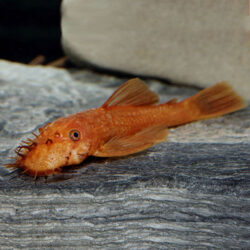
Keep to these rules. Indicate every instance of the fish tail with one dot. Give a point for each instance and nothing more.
(215, 101)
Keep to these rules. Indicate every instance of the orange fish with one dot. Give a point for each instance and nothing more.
(128, 122)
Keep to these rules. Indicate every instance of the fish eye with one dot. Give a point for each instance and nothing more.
(75, 135)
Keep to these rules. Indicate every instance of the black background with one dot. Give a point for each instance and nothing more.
(29, 28)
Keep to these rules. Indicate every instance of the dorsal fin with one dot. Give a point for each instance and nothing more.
(134, 92)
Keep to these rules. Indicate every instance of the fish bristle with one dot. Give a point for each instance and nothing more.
(33, 133)
(11, 166)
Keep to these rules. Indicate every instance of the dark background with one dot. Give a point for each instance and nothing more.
(29, 28)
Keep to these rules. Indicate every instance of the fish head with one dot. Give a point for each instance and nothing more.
(60, 143)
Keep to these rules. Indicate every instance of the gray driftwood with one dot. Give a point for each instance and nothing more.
(191, 192)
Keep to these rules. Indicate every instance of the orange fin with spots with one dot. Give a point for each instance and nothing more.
(132, 93)
(216, 100)
(120, 146)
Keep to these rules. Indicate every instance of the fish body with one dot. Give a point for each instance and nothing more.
(128, 122)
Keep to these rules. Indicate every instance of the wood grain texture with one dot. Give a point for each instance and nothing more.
(191, 192)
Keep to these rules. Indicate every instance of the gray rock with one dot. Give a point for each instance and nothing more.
(194, 42)
(191, 192)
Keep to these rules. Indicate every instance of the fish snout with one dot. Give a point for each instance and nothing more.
(44, 159)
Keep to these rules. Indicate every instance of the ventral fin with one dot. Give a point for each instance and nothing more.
(120, 146)
(132, 93)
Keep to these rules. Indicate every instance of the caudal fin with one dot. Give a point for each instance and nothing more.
(216, 100)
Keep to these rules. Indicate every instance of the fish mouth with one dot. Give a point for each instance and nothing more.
(40, 159)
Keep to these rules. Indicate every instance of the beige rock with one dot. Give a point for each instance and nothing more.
(195, 42)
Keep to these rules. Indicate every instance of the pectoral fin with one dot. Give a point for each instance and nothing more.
(120, 146)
